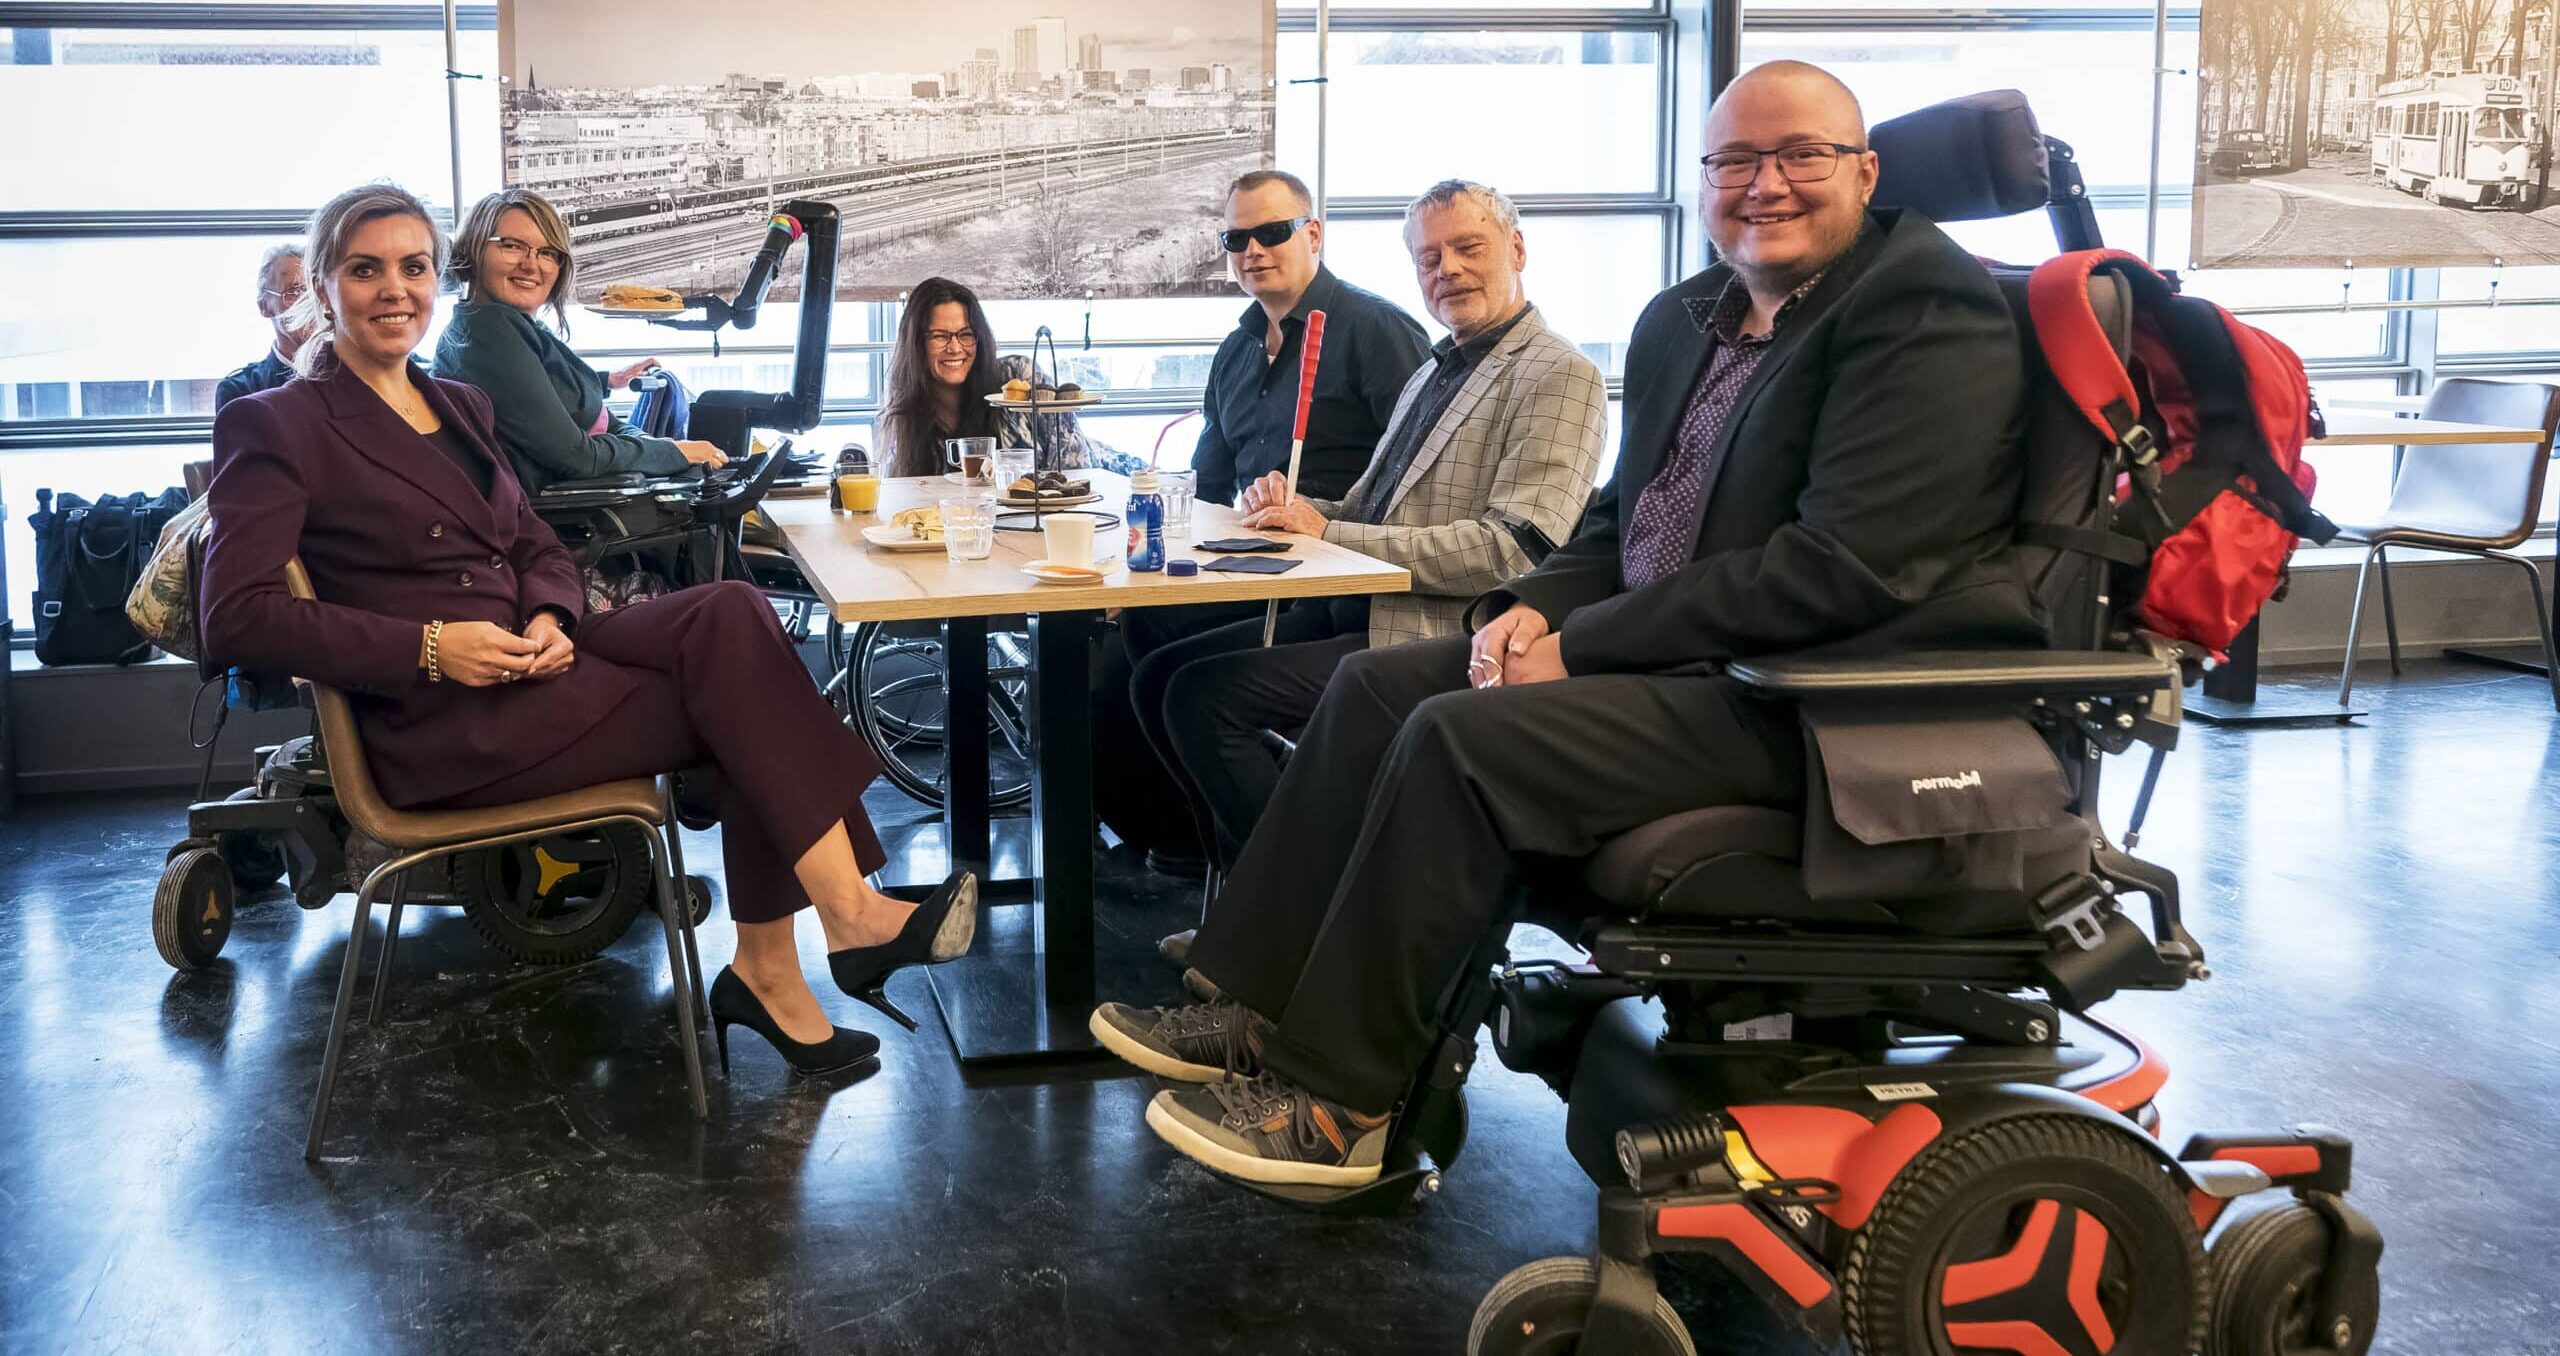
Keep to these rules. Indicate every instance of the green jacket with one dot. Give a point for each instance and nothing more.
(546, 399)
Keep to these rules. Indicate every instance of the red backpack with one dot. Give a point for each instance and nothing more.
(2208, 421)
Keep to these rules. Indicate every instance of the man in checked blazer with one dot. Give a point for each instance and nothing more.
(1484, 467)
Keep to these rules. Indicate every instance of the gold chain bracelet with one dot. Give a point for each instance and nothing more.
(435, 667)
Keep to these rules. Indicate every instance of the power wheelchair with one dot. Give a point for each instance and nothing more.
(1845, 1050)
(564, 898)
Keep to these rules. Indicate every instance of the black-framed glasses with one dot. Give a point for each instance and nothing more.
(1805, 162)
(1270, 235)
(511, 251)
(951, 339)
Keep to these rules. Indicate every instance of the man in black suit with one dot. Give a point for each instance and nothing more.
(1822, 452)
(281, 287)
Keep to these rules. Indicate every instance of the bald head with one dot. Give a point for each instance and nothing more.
(1788, 176)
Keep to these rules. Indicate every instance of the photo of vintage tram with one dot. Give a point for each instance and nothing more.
(2455, 139)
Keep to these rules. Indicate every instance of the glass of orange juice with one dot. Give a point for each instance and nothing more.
(858, 492)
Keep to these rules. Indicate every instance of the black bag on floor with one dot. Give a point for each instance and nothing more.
(88, 556)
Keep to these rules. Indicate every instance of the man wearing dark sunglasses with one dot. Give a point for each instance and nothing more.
(1274, 246)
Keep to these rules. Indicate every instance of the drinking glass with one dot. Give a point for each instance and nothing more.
(968, 528)
(1176, 488)
(1012, 464)
(972, 459)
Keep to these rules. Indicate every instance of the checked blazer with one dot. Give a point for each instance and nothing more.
(1513, 456)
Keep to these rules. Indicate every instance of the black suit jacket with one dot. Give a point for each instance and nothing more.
(1865, 491)
(265, 374)
(394, 536)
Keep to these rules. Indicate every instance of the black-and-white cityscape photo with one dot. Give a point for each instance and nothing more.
(1030, 148)
(2383, 132)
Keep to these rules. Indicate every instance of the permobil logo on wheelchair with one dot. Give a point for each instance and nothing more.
(1846, 1049)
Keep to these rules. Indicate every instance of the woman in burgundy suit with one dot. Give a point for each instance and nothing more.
(455, 622)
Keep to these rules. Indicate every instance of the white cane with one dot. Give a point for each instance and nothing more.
(1297, 442)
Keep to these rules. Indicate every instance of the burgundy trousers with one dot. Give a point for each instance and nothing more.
(717, 682)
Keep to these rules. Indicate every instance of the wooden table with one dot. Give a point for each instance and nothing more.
(1023, 1004)
(2230, 695)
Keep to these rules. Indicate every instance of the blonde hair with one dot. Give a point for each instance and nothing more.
(480, 226)
(333, 228)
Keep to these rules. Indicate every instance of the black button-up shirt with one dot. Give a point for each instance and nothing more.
(1451, 364)
(1246, 416)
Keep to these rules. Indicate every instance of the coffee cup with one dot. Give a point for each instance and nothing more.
(1069, 537)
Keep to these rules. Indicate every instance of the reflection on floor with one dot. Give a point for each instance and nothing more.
(512, 1167)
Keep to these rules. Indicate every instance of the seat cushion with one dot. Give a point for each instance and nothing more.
(1633, 868)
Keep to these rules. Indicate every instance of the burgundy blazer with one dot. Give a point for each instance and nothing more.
(394, 536)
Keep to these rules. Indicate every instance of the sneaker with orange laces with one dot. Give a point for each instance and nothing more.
(1268, 1129)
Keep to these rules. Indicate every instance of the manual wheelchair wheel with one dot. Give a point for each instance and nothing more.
(255, 859)
(894, 675)
(191, 911)
(557, 900)
(2266, 1283)
(1540, 1309)
(2056, 1223)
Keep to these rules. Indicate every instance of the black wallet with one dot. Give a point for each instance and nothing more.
(1250, 564)
(1243, 545)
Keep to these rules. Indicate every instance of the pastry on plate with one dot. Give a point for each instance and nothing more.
(1017, 389)
(924, 523)
(637, 297)
(1070, 391)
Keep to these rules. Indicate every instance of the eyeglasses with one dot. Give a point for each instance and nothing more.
(286, 296)
(1270, 235)
(512, 252)
(1806, 162)
(950, 338)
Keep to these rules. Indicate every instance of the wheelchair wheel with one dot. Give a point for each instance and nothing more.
(191, 911)
(255, 861)
(2028, 1222)
(557, 900)
(1539, 1310)
(895, 681)
(2266, 1282)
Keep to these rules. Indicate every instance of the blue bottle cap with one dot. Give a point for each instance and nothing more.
(1182, 567)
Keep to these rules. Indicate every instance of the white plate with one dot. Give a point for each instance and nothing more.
(891, 537)
(638, 312)
(1055, 501)
(1076, 402)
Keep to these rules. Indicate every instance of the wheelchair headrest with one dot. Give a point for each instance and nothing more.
(1968, 159)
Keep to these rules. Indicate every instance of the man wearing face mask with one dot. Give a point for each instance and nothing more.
(280, 285)
(1822, 454)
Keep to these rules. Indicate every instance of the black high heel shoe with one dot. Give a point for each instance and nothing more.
(734, 1004)
(941, 929)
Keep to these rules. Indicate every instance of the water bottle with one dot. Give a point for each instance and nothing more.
(1145, 516)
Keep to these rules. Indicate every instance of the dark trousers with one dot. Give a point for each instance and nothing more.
(1204, 701)
(1145, 801)
(718, 683)
(1389, 853)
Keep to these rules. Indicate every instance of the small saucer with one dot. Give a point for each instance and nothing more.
(1051, 572)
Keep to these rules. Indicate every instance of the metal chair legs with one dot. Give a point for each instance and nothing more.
(2541, 620)
(2390, 618)
(684, 887)
(337, 1045)
(675, 918)
(390, 943)
(2355, 623)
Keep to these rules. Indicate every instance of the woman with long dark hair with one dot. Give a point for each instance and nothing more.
(944, 369)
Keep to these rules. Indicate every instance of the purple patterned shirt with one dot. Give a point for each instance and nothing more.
(1672, 506)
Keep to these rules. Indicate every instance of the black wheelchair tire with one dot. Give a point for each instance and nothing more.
(1539, 1310)
(192, 909)
(885, 731)
(2155, 1283)
(2266, 1272)
(577, 919)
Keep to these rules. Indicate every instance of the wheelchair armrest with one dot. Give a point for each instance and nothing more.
(1962, 673)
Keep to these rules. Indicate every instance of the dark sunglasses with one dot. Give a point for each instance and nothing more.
(1270, 235)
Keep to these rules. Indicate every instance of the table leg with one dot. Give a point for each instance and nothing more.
(964, 744)
(2230, 695)
(1027, 990)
